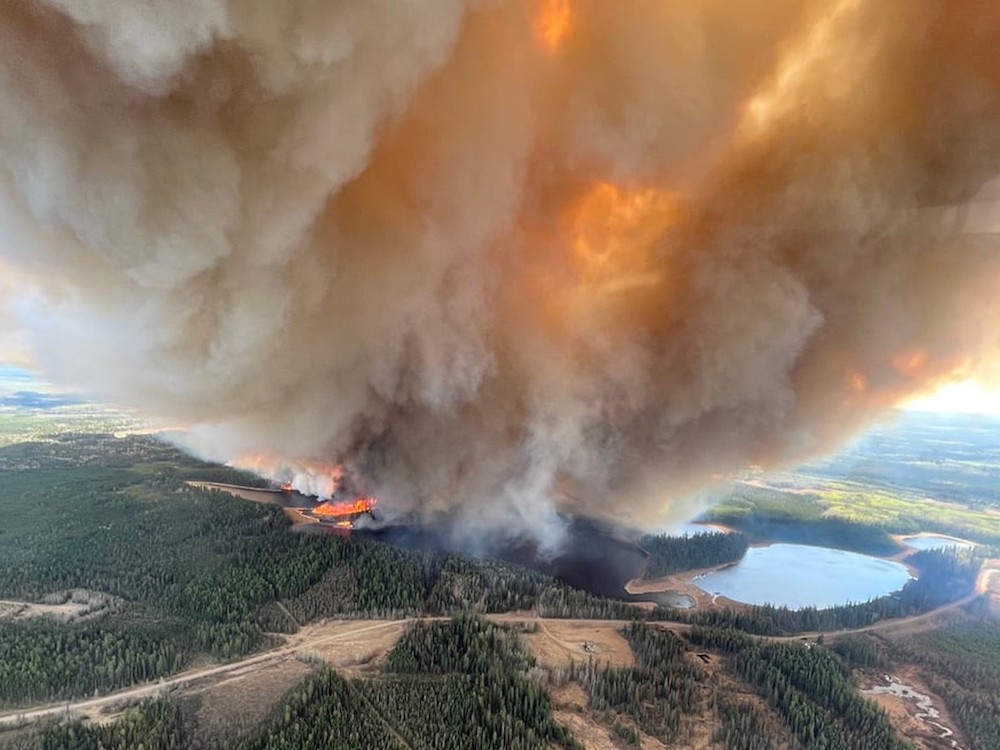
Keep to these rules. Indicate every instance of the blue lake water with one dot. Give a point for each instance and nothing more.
(797, 576)
(935, 542)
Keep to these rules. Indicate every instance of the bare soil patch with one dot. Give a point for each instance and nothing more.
(239, 703)
(555, 642)
(594, 735)
(569, 703)
(350, 646)
(72, 604)
(570, 696)
(683, 583)
(591, 734)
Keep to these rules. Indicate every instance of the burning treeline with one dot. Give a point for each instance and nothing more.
(505, 256)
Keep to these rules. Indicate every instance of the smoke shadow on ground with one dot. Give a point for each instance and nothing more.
(594, 557)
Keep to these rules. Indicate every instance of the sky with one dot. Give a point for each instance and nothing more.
(962, 397)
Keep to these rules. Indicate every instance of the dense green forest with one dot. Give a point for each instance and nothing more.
(675, 554)
(462, 685)
(451, 685)
(657, 691)
(810, 687)
(154, 725)
(326, 712)
(742, 726)
(197, 571)
(466, 683)
(41, 659)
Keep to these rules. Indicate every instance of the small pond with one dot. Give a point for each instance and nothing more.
(797, 576)
(936, 542)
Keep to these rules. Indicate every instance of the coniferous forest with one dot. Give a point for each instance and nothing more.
(195, 571)
(169, 575)
(675, 554)
(466, 683)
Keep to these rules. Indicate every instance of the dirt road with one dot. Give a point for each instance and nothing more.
(96, 705)
(314, 636)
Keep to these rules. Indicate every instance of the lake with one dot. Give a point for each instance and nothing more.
(798, 576)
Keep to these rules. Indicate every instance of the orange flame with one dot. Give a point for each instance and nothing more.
(338, 510)
(553, 23)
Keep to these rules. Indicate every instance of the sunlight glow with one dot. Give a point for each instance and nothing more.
(963, 397)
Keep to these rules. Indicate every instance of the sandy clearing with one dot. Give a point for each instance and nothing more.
(683, 583)
(243, 701)
(587, 732)
(79, 603)
(570, 708)
(17, 610)
(556, 642)
(355, 653)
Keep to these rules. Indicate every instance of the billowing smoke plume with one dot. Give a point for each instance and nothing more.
(505, 258)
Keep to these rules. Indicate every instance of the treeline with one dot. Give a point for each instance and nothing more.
(155, 724)
(210, 568)
(464, 585)
(773, 516)
(675, 554)
(325, 712)
(945, 576)
(466, 684)
(656, 692)
(836, 533)
(561, 601)
(462, 685)
(43, 660)
(811, 689)
(742, 726)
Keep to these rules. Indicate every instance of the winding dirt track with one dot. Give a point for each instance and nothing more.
(92, 706)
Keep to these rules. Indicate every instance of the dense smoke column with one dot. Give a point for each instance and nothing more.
(503, 258)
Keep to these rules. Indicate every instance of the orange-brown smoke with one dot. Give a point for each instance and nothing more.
(508, 257)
